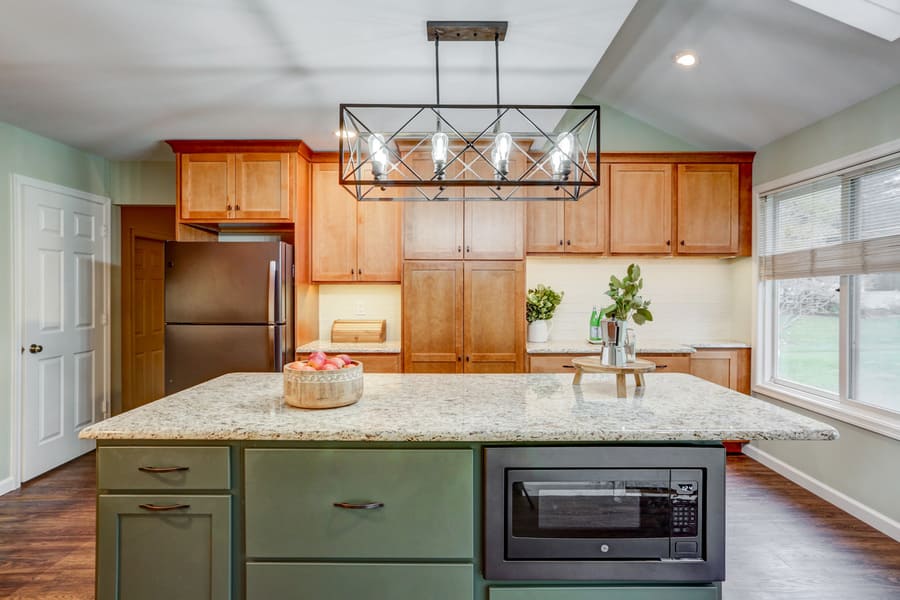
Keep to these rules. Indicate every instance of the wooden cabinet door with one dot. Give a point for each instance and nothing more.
(207, 186)
(432, 317)
(640, 209)
(729, 368)
(378, 237)
(708, 211)
(545, 226)
(433, 230)
(263, 182)
(494, 324)
(163, 546)
(586, 219)
(333, 227)
(495, 230)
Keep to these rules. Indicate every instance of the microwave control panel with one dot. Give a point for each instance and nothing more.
(686, 501)
(684, 509)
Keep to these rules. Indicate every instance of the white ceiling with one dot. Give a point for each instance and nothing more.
(116, 77)
(767, 68)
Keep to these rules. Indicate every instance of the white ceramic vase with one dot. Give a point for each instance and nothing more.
(539, 331)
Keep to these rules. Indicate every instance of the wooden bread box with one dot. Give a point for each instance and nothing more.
(352, 331)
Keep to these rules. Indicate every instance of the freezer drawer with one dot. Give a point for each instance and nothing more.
(197, 353)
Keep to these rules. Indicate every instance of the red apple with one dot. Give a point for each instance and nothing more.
(316, 362)
(336, 361)
(330, 367)
(296, 366)
(306, 368)
(345, 357)
(317, 354)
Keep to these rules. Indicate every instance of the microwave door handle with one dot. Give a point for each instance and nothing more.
(270, 293)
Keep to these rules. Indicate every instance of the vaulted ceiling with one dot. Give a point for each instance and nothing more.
(116, 78)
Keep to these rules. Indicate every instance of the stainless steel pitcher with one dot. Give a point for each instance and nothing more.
(612, 332)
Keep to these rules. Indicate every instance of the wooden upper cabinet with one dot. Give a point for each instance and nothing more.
(243, 181)
(708, 209)
(333, 226)
(564, 226)
(494, 317)
(207, 186)
(432, 317)
(379, 234)
(352, 240)
(495, 230)
(640, 208)
(263, 186)
(433, 230)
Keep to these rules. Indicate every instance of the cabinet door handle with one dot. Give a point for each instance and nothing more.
(159, 508)
(162, 469)
(662, 366)
(459, 359)
(560, 242)
(568, 242)
(359, 506)
(468, 359)
(237, 207)
(468, 249)
(682, 242)
(352, 271)
(459, 249)
(668, 242)
(359, 272)
(568, 366)
(227, 207)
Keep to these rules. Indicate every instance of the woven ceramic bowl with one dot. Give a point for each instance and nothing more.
(322, 389)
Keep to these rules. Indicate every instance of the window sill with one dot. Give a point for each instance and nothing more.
(858, 416)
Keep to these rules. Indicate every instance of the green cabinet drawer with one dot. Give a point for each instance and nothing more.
(170, 547)
(427, 498)
(395, 581)
(163, 468)
(665, 592)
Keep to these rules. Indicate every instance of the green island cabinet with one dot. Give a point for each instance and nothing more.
(308, 521)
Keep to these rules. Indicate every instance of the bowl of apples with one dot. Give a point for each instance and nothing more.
(323, 381)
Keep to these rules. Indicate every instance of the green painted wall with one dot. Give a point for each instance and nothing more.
(859, 462)
(864, 125)
(142, 182)
(28, 154)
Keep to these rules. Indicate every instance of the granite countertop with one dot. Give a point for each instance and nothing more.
(389, 347)
(643, 346)
(466, 408)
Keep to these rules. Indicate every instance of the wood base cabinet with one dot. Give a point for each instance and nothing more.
(463, 317)
(728, 367)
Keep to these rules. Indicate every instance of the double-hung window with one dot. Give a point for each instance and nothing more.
(829, 265)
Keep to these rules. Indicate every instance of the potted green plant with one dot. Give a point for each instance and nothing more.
(627, 304)
(540, 304)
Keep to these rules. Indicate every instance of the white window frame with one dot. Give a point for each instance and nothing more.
(837, 406)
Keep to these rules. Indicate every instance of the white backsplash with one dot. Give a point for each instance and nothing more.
(693, 299)
(343, 302)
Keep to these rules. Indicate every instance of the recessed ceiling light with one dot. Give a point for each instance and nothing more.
(686, 59)
(345, 134)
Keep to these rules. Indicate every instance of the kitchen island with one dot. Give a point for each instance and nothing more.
(222, 491)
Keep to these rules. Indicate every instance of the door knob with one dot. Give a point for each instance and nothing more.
(35, 348)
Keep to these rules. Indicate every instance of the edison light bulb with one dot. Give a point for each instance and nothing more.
(378, 154)
(439, 146)
(561, 157)
(500, 155)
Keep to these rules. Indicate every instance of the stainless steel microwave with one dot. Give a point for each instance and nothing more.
(613, 513)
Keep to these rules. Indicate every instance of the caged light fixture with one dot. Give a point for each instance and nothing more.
(469, 151)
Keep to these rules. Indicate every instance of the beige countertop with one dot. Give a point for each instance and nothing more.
(466, 408)
(389, 347)
(643, 346)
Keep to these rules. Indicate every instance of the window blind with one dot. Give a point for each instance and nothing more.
(842, 224)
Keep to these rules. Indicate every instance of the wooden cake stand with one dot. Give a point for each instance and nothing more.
(593, 365)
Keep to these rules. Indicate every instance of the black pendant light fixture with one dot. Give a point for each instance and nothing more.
(469, 151)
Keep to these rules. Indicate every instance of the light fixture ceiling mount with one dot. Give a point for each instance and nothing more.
(469, 151)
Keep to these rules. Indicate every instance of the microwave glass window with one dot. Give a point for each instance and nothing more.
(591, 509)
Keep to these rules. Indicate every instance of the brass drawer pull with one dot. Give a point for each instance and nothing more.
(159, 508)
(568, 366)
(362, 506)
(662, 366)
(162, 469)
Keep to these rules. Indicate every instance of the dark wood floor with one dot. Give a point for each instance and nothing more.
(783, 542)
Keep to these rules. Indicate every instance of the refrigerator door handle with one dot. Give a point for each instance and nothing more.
(270, 292)
(275, 358)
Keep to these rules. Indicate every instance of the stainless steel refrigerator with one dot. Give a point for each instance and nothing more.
(229, 307)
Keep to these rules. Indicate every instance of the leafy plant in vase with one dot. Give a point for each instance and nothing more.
(627, 304)
(540, 304)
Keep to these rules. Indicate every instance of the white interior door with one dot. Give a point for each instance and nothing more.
(64, 262)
